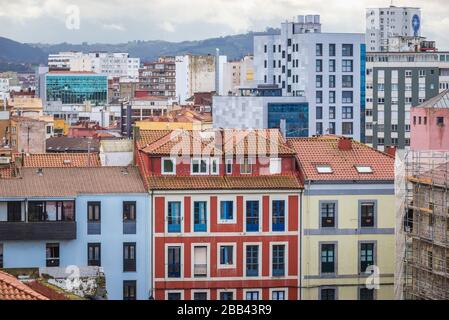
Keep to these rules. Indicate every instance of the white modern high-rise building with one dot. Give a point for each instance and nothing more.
(114, 65)
(325, 68)
(384, 24)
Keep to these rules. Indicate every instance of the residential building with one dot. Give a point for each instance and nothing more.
(29, 134)
(66, 219)
(115, 153)
(325, 68)
(64, 144)
(383, 24)
(262, 108)
(195, 74)
(396, 82)
(159, 77)
(347, 220)
(225, 214)
(429, 130)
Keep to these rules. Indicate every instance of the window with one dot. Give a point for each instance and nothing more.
(347, 81)
(347, 50)
(278, 215)
(174, 296)
(252, 295)
(347, 128)
(347, 96)
(319, 128)
(278, 295)
(275, 165)
(226, 255)
(319, 81)
(319, 65)
(328, 258)
(200, 216)
(129, 290)
(319, 113)
(332, 67)
(332, 50)
(129, 257)
(331, 81)
(347, 66)
(331, 112)
(440, 121)
(324, 169)
(200, 166)
(1, 255)
(129, 217)
(14, 209)
(252, 260)
(168, 166)
(278, 260)
(252, 216)
(246, 166)
(364, 169)
(174, 262)
(347, 112)
(332, 98)
(331, 128)
(52, 255)
(200, 261)
(366, 256)
(328, 214)
(226, 211)
(328, 294)
(94, 218)
(319, 97)
(174, 216)
(94, 254)
(227, 296)
(228, 166)
(367, 214)
(214, 166)
(319, 49)
(430, 259)
(366, 294)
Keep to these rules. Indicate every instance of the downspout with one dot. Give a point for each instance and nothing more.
(151, 247)
(301, 193)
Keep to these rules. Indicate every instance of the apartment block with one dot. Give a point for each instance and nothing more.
(396, 82)
(347, 219)
(225, 214)
(159, 78)
(325, 68)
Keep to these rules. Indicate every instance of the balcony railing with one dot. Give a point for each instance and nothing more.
(252, 227)
(200, 227)
(129, 227)
(49, 230)
(200, 270)
(174, 227)
(94, 228)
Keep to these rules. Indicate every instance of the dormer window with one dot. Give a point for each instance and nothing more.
(364, 169)
(214, 168)
(275, 165)
(246, 166)
(324, 169)
(168, 166)
(228, 166)
(199, 166)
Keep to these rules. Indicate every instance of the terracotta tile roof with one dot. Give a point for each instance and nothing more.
(61, 160)
(71, 144)
(13, 289)
(226, 182)
(324, 150)
(6, 172)
(70, 182)
(236, 142)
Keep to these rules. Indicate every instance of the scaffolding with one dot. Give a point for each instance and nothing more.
(422, 225)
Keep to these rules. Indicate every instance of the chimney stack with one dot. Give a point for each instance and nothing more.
(345, 144)
(391, 151)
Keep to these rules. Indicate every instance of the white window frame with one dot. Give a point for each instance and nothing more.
(250, 162)
(234, 255)
(285, 244)
(233, 291)
(234, 209)
(163, 166)
(279, 289)
(259, 273)
(279, 198)
(194, 199)
(193, 291)
(259, 291)
(192, 259)
(174, 291)
(212, 160)
(323, 166)
(275, 163)
(253, 198)
(181, 214)
(199, 173)
(182, 260)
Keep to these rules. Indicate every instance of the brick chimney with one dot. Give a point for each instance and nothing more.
(391, 151)
(345, 144)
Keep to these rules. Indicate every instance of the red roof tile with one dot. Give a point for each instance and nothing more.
(61, 160)
(13, 289)
(324, 150)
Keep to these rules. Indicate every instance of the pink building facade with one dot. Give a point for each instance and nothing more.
(430, 124)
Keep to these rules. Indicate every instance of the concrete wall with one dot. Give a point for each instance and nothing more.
(429, 136)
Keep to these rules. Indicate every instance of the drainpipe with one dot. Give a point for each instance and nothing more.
(151, 246)
(301, 193)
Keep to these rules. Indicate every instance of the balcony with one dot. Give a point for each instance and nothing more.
(174, 227)
(200, 227)
(48, 230)
(252, 227)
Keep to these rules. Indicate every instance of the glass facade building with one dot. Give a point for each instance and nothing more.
(295, 114)
(77, 88)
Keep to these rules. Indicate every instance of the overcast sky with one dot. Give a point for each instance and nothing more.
(113, 21)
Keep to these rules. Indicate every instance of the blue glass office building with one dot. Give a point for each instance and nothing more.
(76, 88)
(295, 114)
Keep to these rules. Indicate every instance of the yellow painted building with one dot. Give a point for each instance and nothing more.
(61, 127)
(186, 119)
(347, 220)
